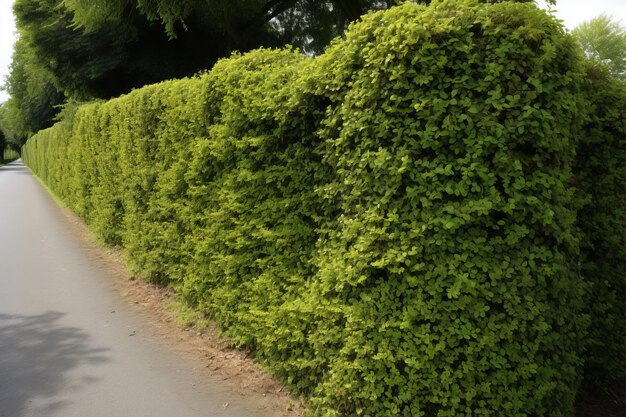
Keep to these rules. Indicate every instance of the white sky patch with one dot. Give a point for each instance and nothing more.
(572, 12)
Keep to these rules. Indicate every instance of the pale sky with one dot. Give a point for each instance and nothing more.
(572, 12)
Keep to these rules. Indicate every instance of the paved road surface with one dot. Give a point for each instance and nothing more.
(62, 350)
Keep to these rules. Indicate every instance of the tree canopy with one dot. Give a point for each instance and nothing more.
(604, 40)
(34, 94)
(81, 49)
(235, 24)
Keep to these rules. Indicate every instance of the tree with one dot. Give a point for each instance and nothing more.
(81, 49)
(107, 49)
(604, 40)
(34, 95)
(100, 63)
(2, 146)
(234, 24)
(308, 24)
(69, 49)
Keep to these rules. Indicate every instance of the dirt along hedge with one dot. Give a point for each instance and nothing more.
(395, 226)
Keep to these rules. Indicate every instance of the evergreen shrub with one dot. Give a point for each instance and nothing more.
(391, 226)
(600, 174)
(9, 155)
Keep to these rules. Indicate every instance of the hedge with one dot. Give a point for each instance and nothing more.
(9, 155)
(393, 226)
(601, 176)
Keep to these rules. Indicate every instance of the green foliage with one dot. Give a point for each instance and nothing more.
(306, 23)
(451, 143)
(71, 49)
(9, 151)
(107, 61)
(34, 97)
(2, 145)
(75, 62)
(392, 226)
(604, 40)
(601, 176)
(9, 155)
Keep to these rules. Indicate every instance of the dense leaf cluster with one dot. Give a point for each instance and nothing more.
(78, 50)
(604, 40)
(73, 50)
(8, 152)
(600, 174)
(9, 155)
(396, 227)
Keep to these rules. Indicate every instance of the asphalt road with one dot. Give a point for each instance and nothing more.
(69, 345)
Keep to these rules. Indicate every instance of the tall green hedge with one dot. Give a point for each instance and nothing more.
(601, 177)
(9, 155)
(392, 226)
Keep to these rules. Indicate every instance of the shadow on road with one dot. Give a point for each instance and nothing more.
(36, 353)
(15, 166)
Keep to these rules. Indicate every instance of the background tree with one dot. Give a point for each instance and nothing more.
(75, 50)
(234, 24)
(604, 40)
(308, 24)
(34, 95)
(2, 146)
(104, 62)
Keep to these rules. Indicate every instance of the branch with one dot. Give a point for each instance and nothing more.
(272, 9)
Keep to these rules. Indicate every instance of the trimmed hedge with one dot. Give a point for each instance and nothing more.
(601, 176)
(9, 155)
(463, 297)
(392, 226)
